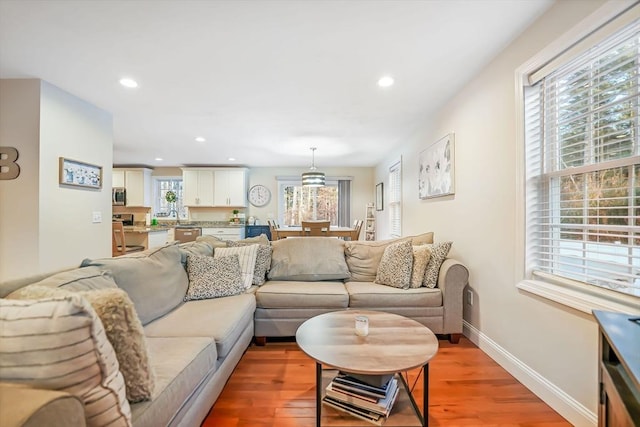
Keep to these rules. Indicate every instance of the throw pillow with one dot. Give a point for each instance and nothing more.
(396, 265)
(155, 280)
(439, 252)
(421, 256)
(246, 257)
(363, 258)
(263, 260)
(60, 344)
(213, 277)
(123, 328)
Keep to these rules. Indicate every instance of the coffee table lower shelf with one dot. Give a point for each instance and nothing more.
(403, 414)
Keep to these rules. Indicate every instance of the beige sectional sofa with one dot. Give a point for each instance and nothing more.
(194, 346)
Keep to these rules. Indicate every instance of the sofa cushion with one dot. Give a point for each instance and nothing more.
(181, 365)
(290, 294)
(212, 241)
(421, 256)
(439, 252)
(122, 327)
(213, 277)
(78, 279)
(223, 319)
(263, 260)
(395, 265)
(155, 280)
(297, 259)
(372, 295)
(246, 257)
(195, 248)
(60, 344)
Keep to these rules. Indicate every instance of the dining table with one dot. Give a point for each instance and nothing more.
(333, 231)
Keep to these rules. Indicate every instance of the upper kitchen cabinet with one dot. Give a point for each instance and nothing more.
(137, 182)
(215, 187)
(197, 185)
(230, 187)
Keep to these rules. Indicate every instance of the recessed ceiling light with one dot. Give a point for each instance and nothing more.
(159, 159)
(232, 159)
(127, 82)
(200, 139)
(385, 81)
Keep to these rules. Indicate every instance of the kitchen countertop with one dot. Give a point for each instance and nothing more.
(142, 229)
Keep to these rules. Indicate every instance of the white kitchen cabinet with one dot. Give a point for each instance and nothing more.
(117, 178)
(225, 233)
(197, 185)
(230, 187)
(158, 238)
(138, 184)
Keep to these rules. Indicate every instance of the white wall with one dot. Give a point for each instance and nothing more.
(549, 347)
(56, 219)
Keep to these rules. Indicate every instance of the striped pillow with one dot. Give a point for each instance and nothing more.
(246, 256)
(60, 344)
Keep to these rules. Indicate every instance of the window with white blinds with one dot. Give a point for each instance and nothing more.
(395, 202)
(583, 167)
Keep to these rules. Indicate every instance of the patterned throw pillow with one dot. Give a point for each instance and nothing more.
(246, 257)
(60, 344)
(396, 265)
(263, 260)
(439, 252)
(421, 256)
(213, 277)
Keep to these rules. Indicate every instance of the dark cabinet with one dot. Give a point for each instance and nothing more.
(619, 371)
(256, 230)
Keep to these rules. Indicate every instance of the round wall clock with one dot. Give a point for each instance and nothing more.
(259, 195)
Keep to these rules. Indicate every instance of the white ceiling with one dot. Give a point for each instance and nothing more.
(262, 81)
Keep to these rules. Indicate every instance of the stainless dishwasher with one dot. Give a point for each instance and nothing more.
(187, 234)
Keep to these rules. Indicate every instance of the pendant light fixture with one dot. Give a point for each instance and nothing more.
(313, 178)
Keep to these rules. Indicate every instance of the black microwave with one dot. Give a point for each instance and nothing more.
(118, 196)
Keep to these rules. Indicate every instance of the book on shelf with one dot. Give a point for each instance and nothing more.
(350, 383)
(353, 410)
(379, 381)
(381, 406)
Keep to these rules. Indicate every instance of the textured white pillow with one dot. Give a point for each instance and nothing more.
(246, 256)
(439, 252)
(421, 256)
(213, 277)
(60, 344)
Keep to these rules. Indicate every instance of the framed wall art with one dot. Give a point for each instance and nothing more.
(80, 174)
(436, 174)
(380, 197)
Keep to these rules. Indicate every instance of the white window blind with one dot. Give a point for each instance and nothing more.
(583, 167)
(395, 202)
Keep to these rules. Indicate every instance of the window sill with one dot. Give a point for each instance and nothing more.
(582, 299)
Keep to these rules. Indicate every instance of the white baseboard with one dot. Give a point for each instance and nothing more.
(576, 413)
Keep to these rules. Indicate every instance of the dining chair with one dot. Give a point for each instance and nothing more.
(273, 228)
(118, 242)
(357, 226)
(315, 228)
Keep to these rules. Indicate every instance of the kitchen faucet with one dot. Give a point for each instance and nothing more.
(177, 216)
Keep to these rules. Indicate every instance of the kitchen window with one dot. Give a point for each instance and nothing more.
(582, 169)
(163, 208)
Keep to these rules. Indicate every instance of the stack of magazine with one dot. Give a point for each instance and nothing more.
(368, 397)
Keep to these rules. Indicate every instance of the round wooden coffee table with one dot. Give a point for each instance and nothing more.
(394, 344)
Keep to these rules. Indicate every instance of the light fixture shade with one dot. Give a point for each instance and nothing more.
(313, 179)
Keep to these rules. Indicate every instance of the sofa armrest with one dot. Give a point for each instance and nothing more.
(22, 406)
(452, 279)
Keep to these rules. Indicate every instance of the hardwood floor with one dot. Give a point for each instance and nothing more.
(274, 386)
